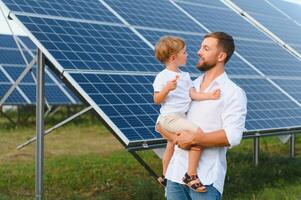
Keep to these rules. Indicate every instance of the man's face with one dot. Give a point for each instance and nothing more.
(208, 54)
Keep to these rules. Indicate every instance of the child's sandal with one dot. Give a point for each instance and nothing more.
(194, 183)
(162, 181)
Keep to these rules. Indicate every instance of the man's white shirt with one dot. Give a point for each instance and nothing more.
(228, 113)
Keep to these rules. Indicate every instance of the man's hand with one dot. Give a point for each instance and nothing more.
(186, 139)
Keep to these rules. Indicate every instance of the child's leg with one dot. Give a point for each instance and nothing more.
(167, 155)
(193, 160)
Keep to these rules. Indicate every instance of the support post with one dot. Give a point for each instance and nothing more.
(256, 149)
(292, 145)
(144, 164)
(40, 126)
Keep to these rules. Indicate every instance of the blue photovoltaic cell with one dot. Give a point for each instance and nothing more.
(226, 20)
(155, 14)
(252, 44)
(53, 93)
(92, 46)
(291, 9)
(15, 98)
(126, 100)
(273, 20)
(269, 58)
(76, 9)
(13, 64)
(235, 66)
(291, 86)
(214, 3)
(12, 56)
(268, 108)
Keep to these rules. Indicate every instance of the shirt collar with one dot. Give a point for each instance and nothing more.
(218, 80)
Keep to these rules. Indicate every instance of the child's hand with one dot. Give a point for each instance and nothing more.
(172, 84)
(215, 94)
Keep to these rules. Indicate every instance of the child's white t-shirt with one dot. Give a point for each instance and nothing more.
(178, 100)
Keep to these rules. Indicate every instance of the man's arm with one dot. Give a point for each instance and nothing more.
(186, 139)
(233, 117)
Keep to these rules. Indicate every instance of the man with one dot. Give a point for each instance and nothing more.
(221, 123)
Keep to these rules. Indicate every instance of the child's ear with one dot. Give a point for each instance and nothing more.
(172, 57)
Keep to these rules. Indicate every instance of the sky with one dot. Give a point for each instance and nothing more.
(17, 30)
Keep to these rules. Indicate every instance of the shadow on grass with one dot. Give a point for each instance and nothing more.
(274, 171)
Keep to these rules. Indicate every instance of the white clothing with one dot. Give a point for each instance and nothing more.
(178, 100)
(228, 113)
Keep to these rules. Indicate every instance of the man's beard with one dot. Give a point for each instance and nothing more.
(205, 66)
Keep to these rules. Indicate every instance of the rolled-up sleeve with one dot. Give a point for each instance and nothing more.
(234, 116)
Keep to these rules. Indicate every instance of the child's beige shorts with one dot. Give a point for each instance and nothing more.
(176, 122)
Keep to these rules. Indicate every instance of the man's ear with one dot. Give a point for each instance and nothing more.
(222, 56)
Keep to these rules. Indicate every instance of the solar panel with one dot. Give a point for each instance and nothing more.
(253, 45)
(291, 86)
(268, 107)
(15, 98)
(74, 9)
(292, 10)
(160, 14)
(111, 63)
(273, 20)
(12, 65)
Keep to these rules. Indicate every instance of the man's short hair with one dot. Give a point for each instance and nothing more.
(225, 41)
(168, 46)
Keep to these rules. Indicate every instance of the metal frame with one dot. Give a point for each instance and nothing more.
(40, 125)
(55, 127)
(256, 142)
(144, 164)
(16, 83)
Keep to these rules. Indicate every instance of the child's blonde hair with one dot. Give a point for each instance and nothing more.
(168, 46)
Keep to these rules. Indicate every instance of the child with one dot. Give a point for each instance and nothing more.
(173, 89)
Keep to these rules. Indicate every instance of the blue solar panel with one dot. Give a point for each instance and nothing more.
(113, 68)
(291, 86)
(92, 46)
(76, 9)
(226, 20)
(12, 56)
(269, 58)
(54, 95)
(155, 14)
(126, 100)
(252, 44)
(273, 20)
(12, 64)
(268, 107)
(15, 98)
(293, 10)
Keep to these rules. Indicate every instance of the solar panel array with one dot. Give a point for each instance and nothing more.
(12, 65)
(273, 20)
(104, 49)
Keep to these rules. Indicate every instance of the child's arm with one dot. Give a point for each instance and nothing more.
(160, 96)
(199, 96)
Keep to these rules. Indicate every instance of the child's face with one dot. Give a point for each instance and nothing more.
(181, 57)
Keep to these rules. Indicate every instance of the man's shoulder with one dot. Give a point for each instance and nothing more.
(232, 88)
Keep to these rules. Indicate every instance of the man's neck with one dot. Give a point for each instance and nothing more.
(211, 75)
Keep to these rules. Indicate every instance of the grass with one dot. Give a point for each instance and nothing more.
(84, 161)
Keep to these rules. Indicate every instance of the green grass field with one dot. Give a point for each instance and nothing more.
(84, 161)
